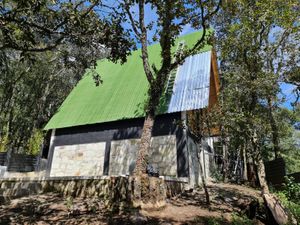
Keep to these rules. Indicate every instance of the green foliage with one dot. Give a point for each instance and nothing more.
(258, 42)
(35, 142)
(292, 190)
(217, 175)
(43, 25)
(290, 197)
(290, 137)
(214, 221)
(293, 207)
(4, 139)
(26, 100)
(241, 220)
(4, 143)
(236, 220)
(45, 48)
(69, 203)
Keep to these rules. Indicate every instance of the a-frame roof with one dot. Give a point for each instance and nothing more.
(124, 90)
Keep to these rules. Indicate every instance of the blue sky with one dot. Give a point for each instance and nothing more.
(287, 93)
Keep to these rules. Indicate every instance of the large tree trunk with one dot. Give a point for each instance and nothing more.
(143, 153)
(262, 176)
(260, 165)
(225, 162)
(245, 170)
(275, 136)
(202, 174)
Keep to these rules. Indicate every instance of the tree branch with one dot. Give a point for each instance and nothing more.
(143, 40)
(132, 21)
(192, 50)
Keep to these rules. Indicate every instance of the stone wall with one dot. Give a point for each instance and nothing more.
(78, 160)
(163, 155)
(114, 188)
(116, 191)
(88, 159)
(122, 156)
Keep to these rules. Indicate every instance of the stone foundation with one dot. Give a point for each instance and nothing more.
(118, 192)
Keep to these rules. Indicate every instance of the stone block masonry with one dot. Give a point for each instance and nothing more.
(163, 155)
(117, 192)
(78, 160)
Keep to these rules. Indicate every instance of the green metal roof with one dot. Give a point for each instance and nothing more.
(121, 96)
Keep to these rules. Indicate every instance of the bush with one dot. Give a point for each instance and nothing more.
(216, 175)
(292, 190)
(3, 143)
(241, 220)
(4, 139)
(290, 197)
(292, 207)
(35, 142)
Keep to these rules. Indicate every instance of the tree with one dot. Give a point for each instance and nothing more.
(257, 42)
(53, 41)
(41, 25)
(290, 136)
(172, 16)
(26, 100)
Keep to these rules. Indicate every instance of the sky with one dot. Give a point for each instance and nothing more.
(287, 93)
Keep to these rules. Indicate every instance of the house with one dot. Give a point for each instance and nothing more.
(96, 130)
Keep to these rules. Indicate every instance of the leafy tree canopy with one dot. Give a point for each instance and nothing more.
(40, 25)
(258, 43)
(45, 48)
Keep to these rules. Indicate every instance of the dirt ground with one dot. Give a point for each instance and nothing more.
(227, 200)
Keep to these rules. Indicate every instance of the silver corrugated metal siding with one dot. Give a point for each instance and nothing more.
(191, 87)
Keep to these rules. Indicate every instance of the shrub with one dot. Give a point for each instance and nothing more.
(292, 190)
(3, 143)
(35, 142)
(290, 197)
(4, 139)
(216, 175)
(241, 220)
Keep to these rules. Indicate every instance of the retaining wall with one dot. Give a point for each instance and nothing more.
(116, 191)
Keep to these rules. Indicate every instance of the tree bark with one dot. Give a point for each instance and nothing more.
(245, 171)
(260, 166)
(143, 153)
(262, 176)
(225, 162)
(275, 136)
(202, 175)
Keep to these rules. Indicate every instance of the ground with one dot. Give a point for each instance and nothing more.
(228, 203)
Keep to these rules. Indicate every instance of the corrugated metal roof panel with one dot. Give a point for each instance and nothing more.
(121, 96)
(191, 87)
